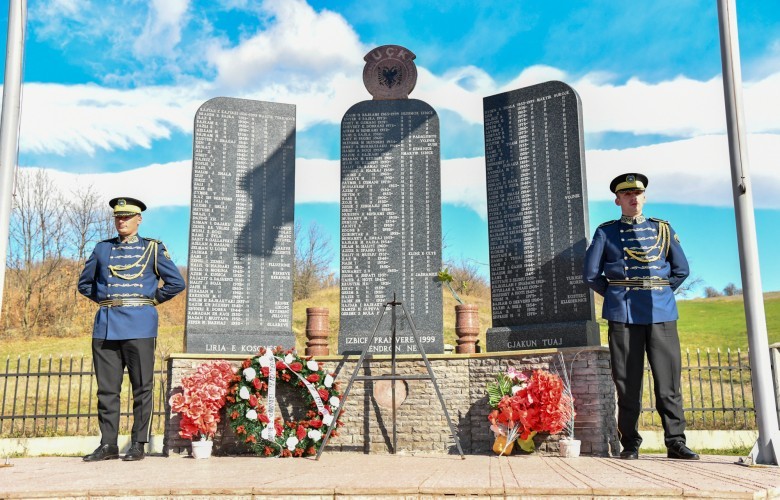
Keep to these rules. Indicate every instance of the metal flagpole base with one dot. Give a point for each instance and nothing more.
(752, 460)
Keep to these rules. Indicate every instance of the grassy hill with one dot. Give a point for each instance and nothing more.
(716, 323)
(704, 323)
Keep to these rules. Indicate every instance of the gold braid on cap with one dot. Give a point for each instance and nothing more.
(151, 249)
(661, 244)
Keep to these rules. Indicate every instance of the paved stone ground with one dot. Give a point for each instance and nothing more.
(353, 476)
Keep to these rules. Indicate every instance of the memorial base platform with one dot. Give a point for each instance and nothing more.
(421, 424)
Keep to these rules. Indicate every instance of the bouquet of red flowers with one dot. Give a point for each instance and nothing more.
(538, 403)
(202, 398)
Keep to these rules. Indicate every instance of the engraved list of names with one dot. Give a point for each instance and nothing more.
(537, 219)
(390, 224)
(241, 229)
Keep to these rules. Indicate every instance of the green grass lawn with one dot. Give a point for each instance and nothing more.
(716, 323)
(720, 322)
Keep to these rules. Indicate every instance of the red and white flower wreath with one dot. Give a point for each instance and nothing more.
(247, 403)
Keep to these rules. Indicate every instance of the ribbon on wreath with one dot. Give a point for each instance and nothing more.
(312, 390)
(269, 432)
(269, 360)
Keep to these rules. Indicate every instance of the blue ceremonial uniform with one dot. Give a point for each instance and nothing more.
(123, 278)
(142, 263)
(645, 293)
(637, 264)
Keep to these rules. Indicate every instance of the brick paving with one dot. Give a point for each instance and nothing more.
(353, 476)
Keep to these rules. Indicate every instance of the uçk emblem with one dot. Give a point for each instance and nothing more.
(390, 72)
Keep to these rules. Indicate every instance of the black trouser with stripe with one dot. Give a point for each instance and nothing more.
(627, 346)
(110, 358)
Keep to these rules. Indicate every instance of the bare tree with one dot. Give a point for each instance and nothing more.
(38, 243)
(711, 292)
(689, 286)
(731, 290)
(466, 277)
(313, 255)
(87, 220)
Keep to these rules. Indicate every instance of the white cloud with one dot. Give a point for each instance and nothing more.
(62, 118)
(162, 31)
(100, 117)
(301, 47)
(317, 181)
(463, 183)
(171, 187)
(692, 171)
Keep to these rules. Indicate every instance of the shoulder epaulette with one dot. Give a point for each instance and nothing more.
(608, 223)
(658, 220)
(159, 242)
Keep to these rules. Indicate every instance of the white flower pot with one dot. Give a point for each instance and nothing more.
(202, 449)
(569, 448)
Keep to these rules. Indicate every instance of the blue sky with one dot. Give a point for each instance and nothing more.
(112, 88)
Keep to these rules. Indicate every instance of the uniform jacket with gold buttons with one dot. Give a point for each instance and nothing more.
(636, 264)
(129, 272)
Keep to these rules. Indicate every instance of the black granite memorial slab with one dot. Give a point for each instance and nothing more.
(390, 224)
(241, 230)
(537, 219)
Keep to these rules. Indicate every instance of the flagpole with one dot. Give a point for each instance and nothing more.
(9, 123)
(767, 448)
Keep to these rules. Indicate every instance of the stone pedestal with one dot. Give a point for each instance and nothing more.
(422, 426)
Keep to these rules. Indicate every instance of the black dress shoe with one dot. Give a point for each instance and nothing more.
(134, 453)
(103, 452)
(629, 454)
(679, 450)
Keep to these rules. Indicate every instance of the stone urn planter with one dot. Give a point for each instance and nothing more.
(466, 328)
(317, 330)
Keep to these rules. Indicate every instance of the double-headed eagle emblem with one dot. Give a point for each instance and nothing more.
(389, 76)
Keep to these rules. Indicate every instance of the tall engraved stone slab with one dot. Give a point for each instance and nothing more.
(241, 230)
(537, 219)
(390, 224)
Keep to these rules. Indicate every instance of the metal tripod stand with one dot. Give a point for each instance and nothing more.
(393, 376)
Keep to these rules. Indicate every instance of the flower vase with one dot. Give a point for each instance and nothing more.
(569, 448)
(202, 449)
(527, 445)
(501, 447)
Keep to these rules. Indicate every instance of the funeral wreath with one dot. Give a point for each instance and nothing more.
(251, 403)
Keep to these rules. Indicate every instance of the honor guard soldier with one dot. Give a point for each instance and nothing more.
(121, 276)
(637, 263)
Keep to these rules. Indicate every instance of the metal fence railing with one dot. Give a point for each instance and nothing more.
(57, 397)
(716, 389)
